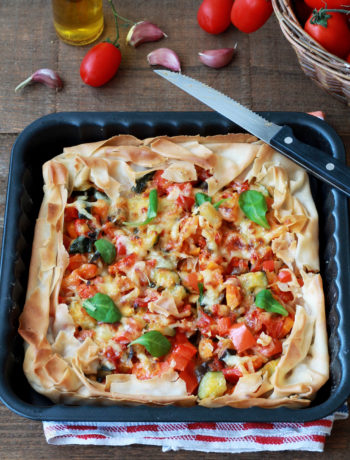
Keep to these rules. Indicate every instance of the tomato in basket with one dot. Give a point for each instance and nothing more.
(330, 3)
(331, 30)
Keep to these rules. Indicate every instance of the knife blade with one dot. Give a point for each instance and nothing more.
(282, 138)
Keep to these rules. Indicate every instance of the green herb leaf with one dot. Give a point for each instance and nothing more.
(102, 308)
(201, 198)
(217, 205)
(106, 249)
(254, 206)
(267, 302)
(81, 245)
(154, 342)
(151, 212)
(141, 183)
(201, 293)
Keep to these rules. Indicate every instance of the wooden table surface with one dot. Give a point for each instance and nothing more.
(264, 75)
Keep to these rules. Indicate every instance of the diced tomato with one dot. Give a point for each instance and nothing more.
(281, 295)
(182, 355)
(300, 282)
(82, 335)
(123, 339)
(181, 337)
(122, 265)
(81, 226)
(232, 374)
(109, 229)
(120, 247)
(85, 291)
(189, 377)
(272, 349)
(224, 325)
(161, 183)
(268, 265)
(288, 323)
(216, 365)
(240, 187)
(191, 281)
(87, 271)
(112, 356)
(76, 261)
(233, 296)
(237, 266)
(206, 324)
(70, 213)
(71, 230)
(100, 210)
(202, 174)
(186, 202)
(241, 337)
(284, 276)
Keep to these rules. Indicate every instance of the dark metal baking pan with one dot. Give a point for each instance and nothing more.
(46, 138)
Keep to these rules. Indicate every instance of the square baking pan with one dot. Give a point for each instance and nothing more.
(46, 138)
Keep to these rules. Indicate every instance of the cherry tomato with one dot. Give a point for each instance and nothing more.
(330, 3)
(335, 38)
(284, 276)
(232, 374)
(100, 64)
(214, 15)
(249, 15)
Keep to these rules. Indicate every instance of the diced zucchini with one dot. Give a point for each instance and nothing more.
(213, 385)
(165, 278)
(253, 281)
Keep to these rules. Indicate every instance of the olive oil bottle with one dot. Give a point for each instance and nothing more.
(78, 22)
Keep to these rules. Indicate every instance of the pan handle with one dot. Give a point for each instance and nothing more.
(318, 163)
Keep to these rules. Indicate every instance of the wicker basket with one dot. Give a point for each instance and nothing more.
(327, 70)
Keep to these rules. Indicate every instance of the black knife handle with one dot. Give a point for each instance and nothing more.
(318, 163)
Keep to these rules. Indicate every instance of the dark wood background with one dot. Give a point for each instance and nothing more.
(264, 75)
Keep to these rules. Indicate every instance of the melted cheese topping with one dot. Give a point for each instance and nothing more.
(182, 274)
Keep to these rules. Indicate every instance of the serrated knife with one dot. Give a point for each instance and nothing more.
(282, 138)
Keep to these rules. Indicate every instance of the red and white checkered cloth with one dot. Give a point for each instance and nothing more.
(204, 437)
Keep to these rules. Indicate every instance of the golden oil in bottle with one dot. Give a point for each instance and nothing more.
(78, 22)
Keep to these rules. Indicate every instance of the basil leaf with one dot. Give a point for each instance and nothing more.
(201, 293)
(141, 183)
(106, 249)
(154, 342)
(267, 302)
(81, 245)
(151, 211)
(254, 206)
(217, 205)
(102, 308)
(201, 198)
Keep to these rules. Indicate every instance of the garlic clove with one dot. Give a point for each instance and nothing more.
(47, 77)
(143, 32)
(217, 58)
(166, 58)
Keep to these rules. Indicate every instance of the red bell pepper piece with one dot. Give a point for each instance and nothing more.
(241, 337)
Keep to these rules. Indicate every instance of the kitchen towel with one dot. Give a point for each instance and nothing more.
(201, 436)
